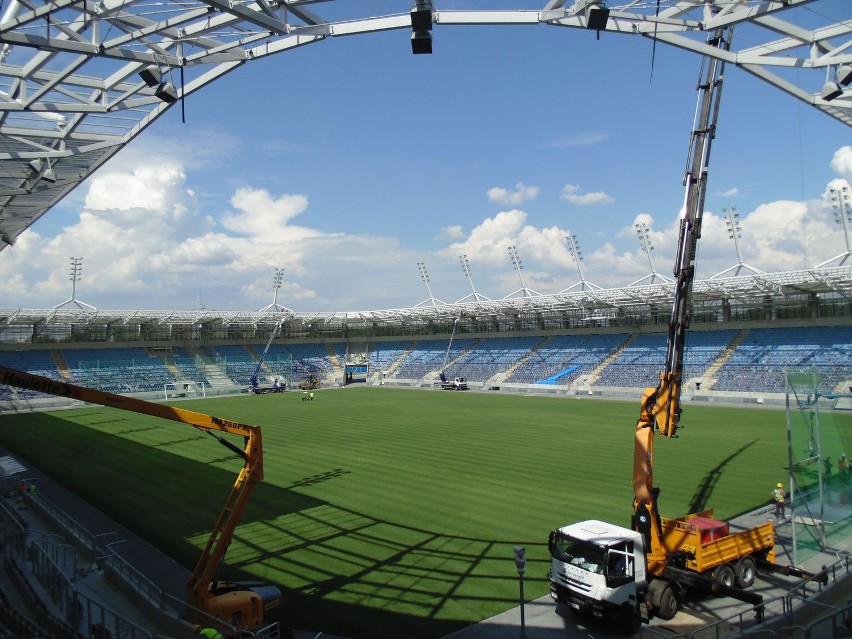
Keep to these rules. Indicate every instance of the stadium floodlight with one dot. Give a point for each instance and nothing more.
(466, 269)
(842, 216)
(643, 232)
(75, 276)
(843, 75)
(735, 232)
(577, 256)
(424, 275)
(519, 266)
(277, 279)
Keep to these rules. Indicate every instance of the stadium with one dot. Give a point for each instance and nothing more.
(750, 335)
(422, 472)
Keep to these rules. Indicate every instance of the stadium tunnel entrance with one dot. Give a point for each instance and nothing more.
(356, 373)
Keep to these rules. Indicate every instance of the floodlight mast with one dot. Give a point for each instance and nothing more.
(276, 285)
(735, 233)
(477, 297)
(643, 232)
(577, 256)
(843, 216)
(518, 265)
(424, 275)
(76, 273)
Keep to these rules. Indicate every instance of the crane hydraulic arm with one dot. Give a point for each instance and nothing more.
(253, 384)
(240, 607)
(660, 407)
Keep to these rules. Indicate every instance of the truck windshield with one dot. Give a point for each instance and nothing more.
(578, 553)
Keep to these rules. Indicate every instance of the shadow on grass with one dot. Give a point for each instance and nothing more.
(341, 571)
(708, 483)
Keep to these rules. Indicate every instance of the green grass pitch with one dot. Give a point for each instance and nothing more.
(393, 512)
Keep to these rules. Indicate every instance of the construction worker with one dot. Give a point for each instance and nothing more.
(209, 633)
(779, 497)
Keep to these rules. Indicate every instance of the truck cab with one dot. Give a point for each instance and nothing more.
(598, 569)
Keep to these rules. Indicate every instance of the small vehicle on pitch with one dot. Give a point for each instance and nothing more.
(310, 383)
(459, 383)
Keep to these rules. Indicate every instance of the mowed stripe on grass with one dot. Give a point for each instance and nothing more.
(387, 508)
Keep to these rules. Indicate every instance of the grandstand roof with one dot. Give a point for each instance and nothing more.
(585, 305)
(71, 93)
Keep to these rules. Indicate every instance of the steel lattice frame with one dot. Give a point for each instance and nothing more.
(591, 306)
(71, 94)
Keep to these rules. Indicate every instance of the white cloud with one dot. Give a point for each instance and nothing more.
(148, 242)
(841, 163)
(732, 192)
(581, 139)
(521, 194)
(147, 189)
(571, 193)
(260, 215)
(450, 233)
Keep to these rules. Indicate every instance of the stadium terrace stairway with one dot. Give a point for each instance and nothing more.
(710, 373)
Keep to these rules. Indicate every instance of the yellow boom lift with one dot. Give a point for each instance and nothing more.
(241, 607)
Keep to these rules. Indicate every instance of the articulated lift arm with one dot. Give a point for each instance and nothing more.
(660, 408)
(254, 383)
(243, 608)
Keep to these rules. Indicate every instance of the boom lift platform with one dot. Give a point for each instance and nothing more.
(242, 607)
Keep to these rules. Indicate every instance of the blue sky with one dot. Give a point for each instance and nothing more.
(349, 161)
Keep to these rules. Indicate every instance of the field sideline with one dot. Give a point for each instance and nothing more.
(393, 512)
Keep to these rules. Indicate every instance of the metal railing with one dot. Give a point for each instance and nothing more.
(55, 568)
(785, 605)
(56, 565)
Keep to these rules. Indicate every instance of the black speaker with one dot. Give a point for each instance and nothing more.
(167, 93)
(421, 42)
(151, 75)
(596, 18)
(421, 18)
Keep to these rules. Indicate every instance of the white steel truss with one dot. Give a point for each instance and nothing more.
(71, 93)
(752, 290)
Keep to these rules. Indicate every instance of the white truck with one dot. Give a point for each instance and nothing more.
(598, 569)
(609, 572)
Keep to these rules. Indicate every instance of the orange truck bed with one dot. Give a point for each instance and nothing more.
(707, 551)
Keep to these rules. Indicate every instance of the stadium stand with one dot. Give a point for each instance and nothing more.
(491, 357)
(428, 357)
(639, 362)
(758, 362)
(580, 354)
(722, 361)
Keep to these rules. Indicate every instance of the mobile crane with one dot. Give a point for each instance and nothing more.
(240, 606)
(633, 574)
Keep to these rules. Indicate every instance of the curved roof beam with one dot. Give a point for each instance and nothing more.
(71, 94)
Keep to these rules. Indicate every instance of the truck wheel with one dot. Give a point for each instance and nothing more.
(667, 606)
(724, 576)
(629, 619)
(746, 572)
